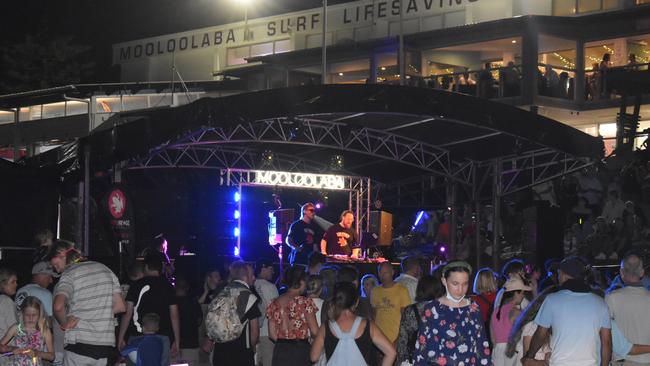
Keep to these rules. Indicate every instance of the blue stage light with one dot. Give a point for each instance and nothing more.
(237, 196)
(236, 251)
(236, 214)
(236, 232)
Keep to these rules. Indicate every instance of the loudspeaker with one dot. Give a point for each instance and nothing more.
(381, 223)
(543, 231)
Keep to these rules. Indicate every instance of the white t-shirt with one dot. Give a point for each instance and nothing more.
(319, 305)
(576, 319)
(410, 282)
(630, 307)
(267, 292)
(38, 292)
(528, 331)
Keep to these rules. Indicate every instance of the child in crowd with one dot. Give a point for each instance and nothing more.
(32, 338)
(191, 316)
(503, 319)
(149, 349)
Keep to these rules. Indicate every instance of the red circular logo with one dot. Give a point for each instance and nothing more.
(116, 203)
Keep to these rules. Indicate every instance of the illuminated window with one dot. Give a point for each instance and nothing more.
(585, 6)
(564, 7)
(285, 45)
(262, 49)
(54, 110)
(238, 55)
(607, 130)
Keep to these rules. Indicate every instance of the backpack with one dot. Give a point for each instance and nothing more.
(222, 321)
(346, 352)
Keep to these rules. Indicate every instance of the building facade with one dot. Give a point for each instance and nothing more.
(541, 54)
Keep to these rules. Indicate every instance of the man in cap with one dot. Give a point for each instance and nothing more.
(579, 319)
(42, 275)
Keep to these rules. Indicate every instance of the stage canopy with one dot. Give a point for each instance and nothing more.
(394, 135)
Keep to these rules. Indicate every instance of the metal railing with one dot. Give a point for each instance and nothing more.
(497, 82)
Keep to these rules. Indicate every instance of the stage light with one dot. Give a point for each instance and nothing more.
(235, 251)
(236, 214)
(337, 162)
(267, 157)
(417, 219)
(318, 205)
(442, 249)
(235, 232)
(237, 196)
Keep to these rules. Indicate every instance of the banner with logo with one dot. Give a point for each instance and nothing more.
(119, 209)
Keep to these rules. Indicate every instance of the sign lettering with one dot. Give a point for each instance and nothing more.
(302, 180)
(339, 18)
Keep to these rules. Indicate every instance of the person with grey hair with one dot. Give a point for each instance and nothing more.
(411, 272)
(629, 307)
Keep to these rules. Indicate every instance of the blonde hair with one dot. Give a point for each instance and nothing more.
(485, 281)
(43, 323)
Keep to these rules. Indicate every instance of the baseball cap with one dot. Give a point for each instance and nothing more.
(43, 268)
(574, 267)
(515, 283)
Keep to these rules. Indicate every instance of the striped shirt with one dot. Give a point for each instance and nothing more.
(89, 288)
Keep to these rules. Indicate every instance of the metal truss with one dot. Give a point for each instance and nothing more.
(531, 168)
(220, 157)
(340, 136)
(234, 146)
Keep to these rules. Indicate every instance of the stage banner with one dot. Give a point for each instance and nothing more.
(119, 210)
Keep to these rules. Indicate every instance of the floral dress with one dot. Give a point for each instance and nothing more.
(28, 339)
(451, 336)
(291, 321)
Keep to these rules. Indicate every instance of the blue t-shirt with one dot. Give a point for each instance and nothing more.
(576, 319)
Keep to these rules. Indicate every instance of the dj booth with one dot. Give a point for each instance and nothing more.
(363, 265)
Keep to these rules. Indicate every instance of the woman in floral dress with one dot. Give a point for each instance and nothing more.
(451, 327)
(292, 321)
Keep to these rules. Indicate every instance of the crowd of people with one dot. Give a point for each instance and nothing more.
(324, 314)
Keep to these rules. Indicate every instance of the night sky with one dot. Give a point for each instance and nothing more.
(101, 23)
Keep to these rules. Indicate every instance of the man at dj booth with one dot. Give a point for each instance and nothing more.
(340, 238)
(302, 236)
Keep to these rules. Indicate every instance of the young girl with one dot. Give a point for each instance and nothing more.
(503, 319)
(31, 337)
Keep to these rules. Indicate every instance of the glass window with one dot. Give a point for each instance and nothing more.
(585, 6)
(607, 130)
(26, 113)
(134, 102)
(285, 45)
(262, 49)
(591, 130)
(612, 4)
(6, 117)
(238, 55)
(54, 110)
(76, 108)
(564, 7)
(108, 105)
